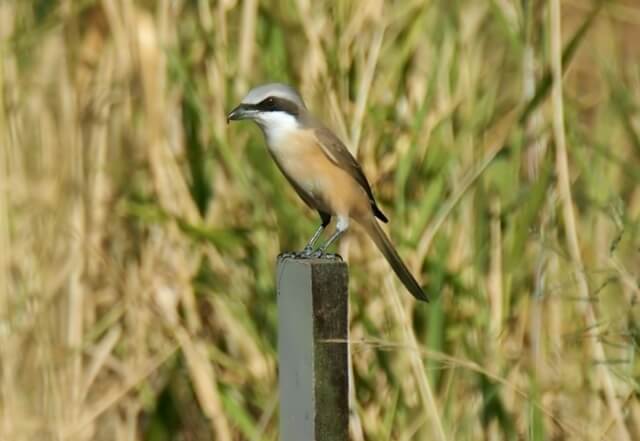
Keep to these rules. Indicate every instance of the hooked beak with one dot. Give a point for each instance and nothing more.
(242, 111)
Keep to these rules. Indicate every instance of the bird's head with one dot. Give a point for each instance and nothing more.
(270, 106)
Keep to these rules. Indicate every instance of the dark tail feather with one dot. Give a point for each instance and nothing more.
(386, 247)
(378, 213)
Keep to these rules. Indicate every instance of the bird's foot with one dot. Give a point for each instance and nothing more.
(320, 254)
(309, 253)
(288, 255)
(306, 253)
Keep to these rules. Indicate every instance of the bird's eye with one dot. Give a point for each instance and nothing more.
(268, 104)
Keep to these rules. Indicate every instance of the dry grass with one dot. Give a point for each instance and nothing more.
(138, 232)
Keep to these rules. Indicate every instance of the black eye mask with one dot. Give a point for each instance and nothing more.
(277, 104)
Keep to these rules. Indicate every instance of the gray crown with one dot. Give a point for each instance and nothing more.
(257, 94)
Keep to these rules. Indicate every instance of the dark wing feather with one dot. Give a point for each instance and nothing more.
(340, 155)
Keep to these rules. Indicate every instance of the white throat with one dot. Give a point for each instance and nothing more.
(276, 126)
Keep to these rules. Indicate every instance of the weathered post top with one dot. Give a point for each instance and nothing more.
(313, 351)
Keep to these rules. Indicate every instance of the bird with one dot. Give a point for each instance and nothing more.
(322, 171)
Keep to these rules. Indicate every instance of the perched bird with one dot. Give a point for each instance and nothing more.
(321, 170)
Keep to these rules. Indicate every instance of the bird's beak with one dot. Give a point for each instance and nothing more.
(242, 111)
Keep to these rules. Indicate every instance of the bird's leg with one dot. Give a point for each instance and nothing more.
(308, 249)
(325, 220)
(341, 226)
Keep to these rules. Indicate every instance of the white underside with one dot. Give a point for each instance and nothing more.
(277, 126)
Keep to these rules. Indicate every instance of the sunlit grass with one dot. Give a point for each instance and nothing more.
(138, 232)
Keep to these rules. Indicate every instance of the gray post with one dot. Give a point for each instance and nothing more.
(314, 373)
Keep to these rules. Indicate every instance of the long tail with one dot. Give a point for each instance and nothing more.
(386, 247)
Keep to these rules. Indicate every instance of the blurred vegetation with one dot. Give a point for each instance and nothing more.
(138, 232)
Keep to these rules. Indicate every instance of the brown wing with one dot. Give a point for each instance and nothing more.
(340, 155)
